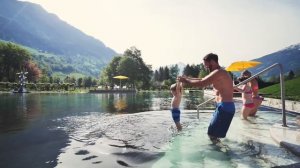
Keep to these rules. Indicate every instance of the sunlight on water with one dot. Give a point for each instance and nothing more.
(86, 130)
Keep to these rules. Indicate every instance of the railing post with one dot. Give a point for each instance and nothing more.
(282, 91)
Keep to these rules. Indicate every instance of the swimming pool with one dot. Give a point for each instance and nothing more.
(150, 140)
(86, 130)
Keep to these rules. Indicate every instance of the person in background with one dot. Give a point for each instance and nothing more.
(247, 99)
(257, 99)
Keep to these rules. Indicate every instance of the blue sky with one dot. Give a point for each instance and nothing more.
(172, 31)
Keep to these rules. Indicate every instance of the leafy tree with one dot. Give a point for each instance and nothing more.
(161, 72)
(186, 70)
(44, 79)
(87, 82)
(128, 67)
(191, 70)
(12, 60)
(56, 80)
(34, 73)
(291, 75)
(94, 82)
(144, 72)
(50, 79)
(203, 71)
(110, 71)
(79, 82)
(174, 72)
(67, 79)
(156, 76)
(166, 73)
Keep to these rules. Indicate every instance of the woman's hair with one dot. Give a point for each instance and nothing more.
(246, 73)
(242, 78)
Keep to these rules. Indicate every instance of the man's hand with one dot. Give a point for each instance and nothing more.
(182, 79)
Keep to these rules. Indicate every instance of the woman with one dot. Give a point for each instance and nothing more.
(246, 90)
(257, 99)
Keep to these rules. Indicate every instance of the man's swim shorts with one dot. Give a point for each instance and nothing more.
(221, 119)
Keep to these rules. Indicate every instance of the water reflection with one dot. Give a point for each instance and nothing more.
(31, 133)
(16, 110)
(120, 103)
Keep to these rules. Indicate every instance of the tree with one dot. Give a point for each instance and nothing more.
(203, 71)
(161, 74)
(128, 67)
(291, 75)
(79, 82)
(144, 72)
(174, 72)
(156, 76)
(166, 73)
(131, 62)
(12, 60)
(34, 73)
(87, 82)
(191, 70)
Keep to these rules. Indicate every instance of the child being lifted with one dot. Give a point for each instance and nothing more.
(176, 90)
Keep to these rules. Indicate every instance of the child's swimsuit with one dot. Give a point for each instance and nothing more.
(221, 119)
(175, 114)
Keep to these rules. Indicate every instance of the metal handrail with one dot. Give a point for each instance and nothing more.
(198, 107)
(282, 90)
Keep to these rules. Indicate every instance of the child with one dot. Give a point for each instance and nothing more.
(246, 91)
(176, 90)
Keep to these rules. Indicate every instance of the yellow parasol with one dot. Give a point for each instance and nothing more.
(120, 77)
(242, 65)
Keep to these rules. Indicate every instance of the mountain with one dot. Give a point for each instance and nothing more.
(289, 58)
(30, 25)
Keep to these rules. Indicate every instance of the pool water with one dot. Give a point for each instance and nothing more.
(128, 130)
(247, 145)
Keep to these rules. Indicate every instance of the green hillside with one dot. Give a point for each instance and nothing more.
(62, 66)
(56, 45)
(292, 89)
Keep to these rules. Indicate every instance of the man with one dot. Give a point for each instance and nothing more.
(222, 84)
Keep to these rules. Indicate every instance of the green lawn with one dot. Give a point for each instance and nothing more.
(292, 90)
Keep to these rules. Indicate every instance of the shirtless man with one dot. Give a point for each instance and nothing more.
(222, 83)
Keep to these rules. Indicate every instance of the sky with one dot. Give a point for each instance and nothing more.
(172, 31)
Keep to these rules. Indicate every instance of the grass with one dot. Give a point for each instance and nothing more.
(292, 90)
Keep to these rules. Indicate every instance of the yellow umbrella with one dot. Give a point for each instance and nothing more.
(242, 65)
(121, 78)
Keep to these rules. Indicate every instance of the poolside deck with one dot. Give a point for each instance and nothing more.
(287, 137)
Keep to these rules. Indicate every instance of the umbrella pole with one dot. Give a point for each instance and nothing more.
(120, 84)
